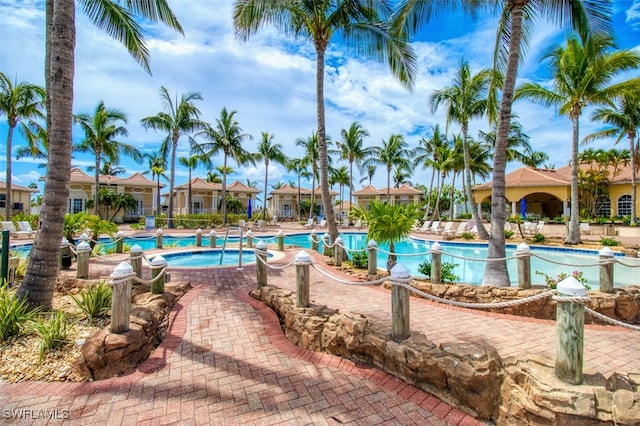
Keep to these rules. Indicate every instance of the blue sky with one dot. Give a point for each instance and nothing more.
(270, 82)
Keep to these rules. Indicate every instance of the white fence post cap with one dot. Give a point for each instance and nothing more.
(523, 248)
(570, 286)
(303, 257)
(280, 233)
(122, 269)
(119, 234)
(64, 242)
(606, 251)
(372, 243)
(158, 261)
(83, 246)
(261, 245)
(212, 233)
(199, 231)
(435, 247)
(249, 233)
(339, 240)
(400, 271)
(159, 231)
(326, 236)
(136, 249)
(313, 231)
(83, 237)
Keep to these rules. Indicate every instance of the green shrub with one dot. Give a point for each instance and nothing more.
(538, 238)
(14, 314)
(558, 220)
(52, 332)
(446, 271)
(609, 242)
(95, 300)
(508, 233)
(468, 235)
(359, 259)
(552, 283)
(464, 216)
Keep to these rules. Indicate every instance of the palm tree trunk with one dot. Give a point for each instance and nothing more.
(322, 146)
(633, 151)
(433, 175)
(158, 207)
(388, 184)
(453, 183)
(496, 272)
(436, 210)
(573, 236)
(482, 233)
(172, 179)
(350, 183)
(299, 198)
(266, 181)
(39, 282)
(190, 205)
(96, 183)
(8, 178)
(224, 191)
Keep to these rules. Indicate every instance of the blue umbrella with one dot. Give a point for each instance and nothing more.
(523, 207)
(249, 209)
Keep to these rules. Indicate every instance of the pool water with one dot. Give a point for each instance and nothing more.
(209, 258)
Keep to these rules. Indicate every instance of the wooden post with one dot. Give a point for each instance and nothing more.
(119, 242)
(136, 260)
(199, 238)
(4, 253)
(212, 239)
(606, 259)
(337, 251)
(280, 239)
(249, 239)
(436, 263)
(302, 262)
(570, 332)
(523, 255)
(121, 297)
(158, 263)
(159, 238)
(326, 240)
(399, 303)
(314, 240)
(64, 262)
(84, 252)
(372, 248)
(261, 260)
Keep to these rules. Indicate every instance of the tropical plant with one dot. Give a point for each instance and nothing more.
(100, 227)
(394, 152)
(14, 314)
(466, 99)
(100, 131)
(340, 177)
(358, 24)
(311, 151)
(426, 155)
(584, 74)
(387, 223)
(53, 332)
(609, 242)
(22, 103)
(268, 152)
(552, 283)
(299, 167)
(120, 20)
(74, 224)
(352, 150)
(368, 171)
(190, 163)
(94, 301)
(358, 259)
(518, 146)
(225, 137)
(513, 32)
(446, 271)
(157, 166)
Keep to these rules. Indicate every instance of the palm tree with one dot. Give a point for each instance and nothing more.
(214, 177)
(514, 28)
(624, 120)
(426, 155)
(359, 24)
(299, 167)
(518, 146)
(466, 99)
(351, 149)
(226, 137)
(22, 103)
(583, 74)
(120, 20)
(108, 169)
(100, 131)
(269, 151)
(368, 170)
(157, 166)
(190, 163)
(340, 177)
(394, 152)
(311, 151)
(177, 119)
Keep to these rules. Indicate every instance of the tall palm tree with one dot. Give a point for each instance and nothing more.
(518, 146)
(120, 20)
(515, 26)
(583, 74)
(358, 24)
(394, 152)
(178, 118)
(226, 137)
(299, 167)
(623, 120)
(190, 163)
(269, 151)
(351, 149)
(157, 166)
(100, 131)
(426, 155)
(22, 103)
(214, 177)
(368, 170)
(340, 176)
(466, 99)
(108, 169)
(311, 158)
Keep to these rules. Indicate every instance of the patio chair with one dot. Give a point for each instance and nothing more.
(9, 226)
(309, 223)
(25, 226)
(585, 228)
(322, 223)
(447, 228)
(458, 231)
(424, 228)
(359, 224)
(433, 229)
(539, 227)
(345, 222)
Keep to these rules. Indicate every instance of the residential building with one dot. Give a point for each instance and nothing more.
(20, 198)
(404, 194)
(283, 202)
(206, 197)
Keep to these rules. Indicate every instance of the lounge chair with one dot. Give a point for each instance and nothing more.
(458, 231)
(242, 224)
(345, 222)
(26, 227)
(447, 228)
(433, 229)
(539, 227)
(309, 223)
(359, 224)
(322, 223)
(9, 226)
(585, 228)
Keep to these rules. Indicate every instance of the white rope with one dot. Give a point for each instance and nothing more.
(637, 265)
(341, 281)
(142, 238)
(72, 250)
(497, 259)
(348, 250)
(611, 320)
(105, 259)
(161, 274)
(582, 265)
(271, 266)
(426, 253)
(582, 299)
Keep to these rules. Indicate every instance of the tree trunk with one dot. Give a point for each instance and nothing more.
(224, 191)
(158, 207)
(573, 236)
(322, 147)
(96, 182)
(482, 233)
(350, 183)
(633, 151)
(39, 282)
(266, 181)
(388, 184)
(8, 178)
(172, 180)
(495, 272)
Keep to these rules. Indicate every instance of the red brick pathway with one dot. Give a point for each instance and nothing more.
(226, 361)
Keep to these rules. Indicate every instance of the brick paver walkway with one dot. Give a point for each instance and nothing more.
(226, 361)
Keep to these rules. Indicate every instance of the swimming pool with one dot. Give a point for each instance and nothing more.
(209, 258)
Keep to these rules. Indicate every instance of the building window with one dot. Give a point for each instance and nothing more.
(197, 207)
(603, 206)
(75, 205)
(624, 205)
